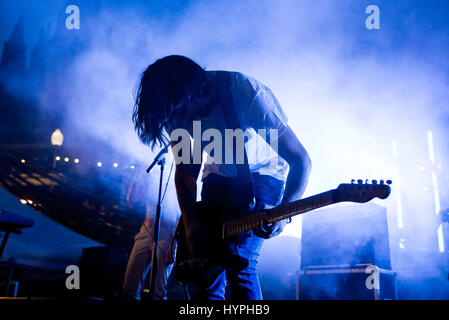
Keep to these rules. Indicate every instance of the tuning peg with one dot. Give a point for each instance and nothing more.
(366, 181)
(389, 182)
(360, 181)
(352, 181)
(374, 181)
(381, 182)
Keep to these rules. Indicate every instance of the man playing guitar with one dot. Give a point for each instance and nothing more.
(173, 93)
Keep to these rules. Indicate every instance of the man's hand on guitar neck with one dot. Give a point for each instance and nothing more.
(270, 230)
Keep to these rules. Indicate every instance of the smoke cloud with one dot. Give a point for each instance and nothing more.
(361, 101)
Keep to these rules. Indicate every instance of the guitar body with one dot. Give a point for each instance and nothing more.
(214, 252)
(225, 198)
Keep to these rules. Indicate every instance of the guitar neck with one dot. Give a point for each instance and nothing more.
(281, 212)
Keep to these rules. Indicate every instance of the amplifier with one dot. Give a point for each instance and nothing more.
(346, 283)
(102, 272)
(346, 235)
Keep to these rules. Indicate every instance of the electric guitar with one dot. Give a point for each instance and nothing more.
(223, 223)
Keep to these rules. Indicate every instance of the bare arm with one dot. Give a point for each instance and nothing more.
(186, 189)
(292, 151)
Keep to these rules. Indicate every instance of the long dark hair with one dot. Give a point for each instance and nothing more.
(167, 88)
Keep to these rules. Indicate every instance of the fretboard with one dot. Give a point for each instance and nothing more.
(281, 212)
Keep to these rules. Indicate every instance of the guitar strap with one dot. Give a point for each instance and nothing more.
(232, 122)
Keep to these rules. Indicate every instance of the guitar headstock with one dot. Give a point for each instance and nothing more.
(362, 191)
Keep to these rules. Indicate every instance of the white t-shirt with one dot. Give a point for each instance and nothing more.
(258, 110)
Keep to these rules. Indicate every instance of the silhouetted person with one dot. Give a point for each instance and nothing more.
(175, 91)
(140, 259)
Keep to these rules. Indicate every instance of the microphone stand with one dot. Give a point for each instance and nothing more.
(159, 160)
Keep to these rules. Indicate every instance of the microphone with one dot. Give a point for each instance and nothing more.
(158, 157)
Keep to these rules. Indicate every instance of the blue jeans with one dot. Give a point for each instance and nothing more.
(243, 284)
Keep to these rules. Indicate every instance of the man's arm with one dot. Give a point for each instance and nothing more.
(186, 176)
(186, 189)
(292, 151)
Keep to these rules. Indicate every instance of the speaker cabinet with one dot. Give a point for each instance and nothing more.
(102, 272)
(346, 283)
(346, 235)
